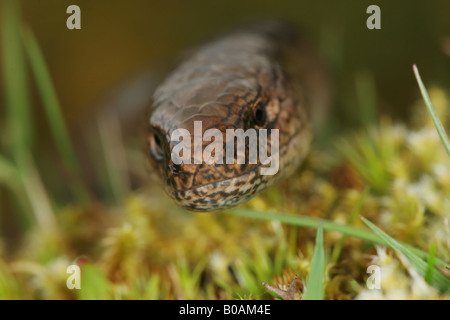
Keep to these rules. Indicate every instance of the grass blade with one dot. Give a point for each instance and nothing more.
(338, 248)
(114, 155)
(437, 123)
(8, 174)
(430, 265)
(315, 284)
(301, 221)
(436, 278)
(19, 124)
(19, 113)
(36, 192)
(94, 284)
(53, 112)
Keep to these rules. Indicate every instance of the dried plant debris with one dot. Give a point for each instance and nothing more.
(290, 292)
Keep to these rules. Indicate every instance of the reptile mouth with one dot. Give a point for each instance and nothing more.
(218, 194)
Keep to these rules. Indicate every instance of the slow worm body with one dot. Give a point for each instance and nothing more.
(263, 76)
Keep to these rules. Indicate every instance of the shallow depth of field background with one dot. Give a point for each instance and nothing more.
(119, 38)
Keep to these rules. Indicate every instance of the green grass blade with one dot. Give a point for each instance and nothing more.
(19, 116)
(315, 284)
(437, 123)
(9, 178)
(114, 155)
(94, 284)
(19, 124)
(436, 278)
(430, 265)
(301, 221)
(53, 112)
(367, 158)
(8, 173)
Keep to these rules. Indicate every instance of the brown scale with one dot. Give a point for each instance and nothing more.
(261, 77)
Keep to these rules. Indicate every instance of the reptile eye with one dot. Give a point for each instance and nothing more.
(259, 115)
(156, 146)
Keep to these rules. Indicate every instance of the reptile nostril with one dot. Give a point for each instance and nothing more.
(175, 168)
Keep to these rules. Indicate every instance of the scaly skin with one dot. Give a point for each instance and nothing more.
(222, 83)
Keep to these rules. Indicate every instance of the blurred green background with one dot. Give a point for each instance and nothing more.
(119, 38)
